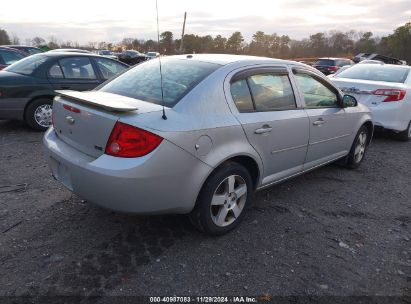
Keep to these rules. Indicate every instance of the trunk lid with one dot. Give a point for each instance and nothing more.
(84, 120)
(363, 90)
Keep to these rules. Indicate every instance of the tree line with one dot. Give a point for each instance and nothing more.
(332, 43)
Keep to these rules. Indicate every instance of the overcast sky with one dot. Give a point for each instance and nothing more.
(91, 20)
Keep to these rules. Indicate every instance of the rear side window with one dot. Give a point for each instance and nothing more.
(376, 72)
(241, 96)
(271, 92)
(328, 62)
(77, 68)
(263, 92)
(179, 77)
(55, 71)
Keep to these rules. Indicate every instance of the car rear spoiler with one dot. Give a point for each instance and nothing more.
(107, 101)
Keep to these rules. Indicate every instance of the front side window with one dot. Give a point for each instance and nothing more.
(179, 76)
(109, 68)
(316, 94)
(77, 68)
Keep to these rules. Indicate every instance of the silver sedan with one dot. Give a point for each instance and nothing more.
(202, 136)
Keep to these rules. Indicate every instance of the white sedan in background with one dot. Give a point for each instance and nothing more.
(385, 89)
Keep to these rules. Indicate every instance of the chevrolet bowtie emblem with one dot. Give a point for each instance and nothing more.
(70, 120)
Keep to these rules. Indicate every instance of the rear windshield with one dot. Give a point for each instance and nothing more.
(324, 62)
(143, 81)
(376, 72)
(27, 65)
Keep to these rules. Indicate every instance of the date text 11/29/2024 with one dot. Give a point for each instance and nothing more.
(235, 299)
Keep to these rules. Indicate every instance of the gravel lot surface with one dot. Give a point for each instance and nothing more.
(332, 231)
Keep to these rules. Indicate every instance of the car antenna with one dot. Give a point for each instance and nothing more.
(159, 60)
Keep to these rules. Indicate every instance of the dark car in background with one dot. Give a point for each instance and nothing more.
(378, 57)
(331, 65)
(27, 88)
(9, 56)
(29, 50)
(132, 57)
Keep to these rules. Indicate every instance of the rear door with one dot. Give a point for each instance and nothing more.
(73, 73)
(273, 123)
(329, 126)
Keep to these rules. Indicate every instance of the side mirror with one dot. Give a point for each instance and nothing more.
(349, 101)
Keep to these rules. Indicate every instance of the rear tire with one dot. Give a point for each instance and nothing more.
(38, 114)
(406, 134)
(223, 200)
(358, 148)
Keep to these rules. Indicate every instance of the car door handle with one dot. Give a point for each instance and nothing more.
(319, 122)
(263, 129)
(65, 87)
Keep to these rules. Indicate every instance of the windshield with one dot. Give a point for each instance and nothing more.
(324, 62)
(27, 65)
(105, 53)
(376, 72)
(151, 54)
(143, 81)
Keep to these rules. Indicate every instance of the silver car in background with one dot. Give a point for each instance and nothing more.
(231, 125)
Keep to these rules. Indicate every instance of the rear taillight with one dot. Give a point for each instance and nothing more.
(71, 108)
(129, 141)
(392, 94)
(333, 68)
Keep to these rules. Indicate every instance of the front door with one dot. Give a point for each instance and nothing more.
(329, 127)
(273, 124)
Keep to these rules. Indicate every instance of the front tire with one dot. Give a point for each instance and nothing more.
(406, 134)
(38, 114)
(358, 148)
(223, 200)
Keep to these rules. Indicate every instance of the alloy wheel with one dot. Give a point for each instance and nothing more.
(228, 200)
(360, 147)
(42, 115)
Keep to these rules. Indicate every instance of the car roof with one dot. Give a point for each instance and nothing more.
(74, 54)
(225, 59)
(11, 49)
(384, 65)
(21, 46)
(332, 58)
(69, 50)
(64, 54)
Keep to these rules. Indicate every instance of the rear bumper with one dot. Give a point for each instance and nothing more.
(392, 115)
(167, 180)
